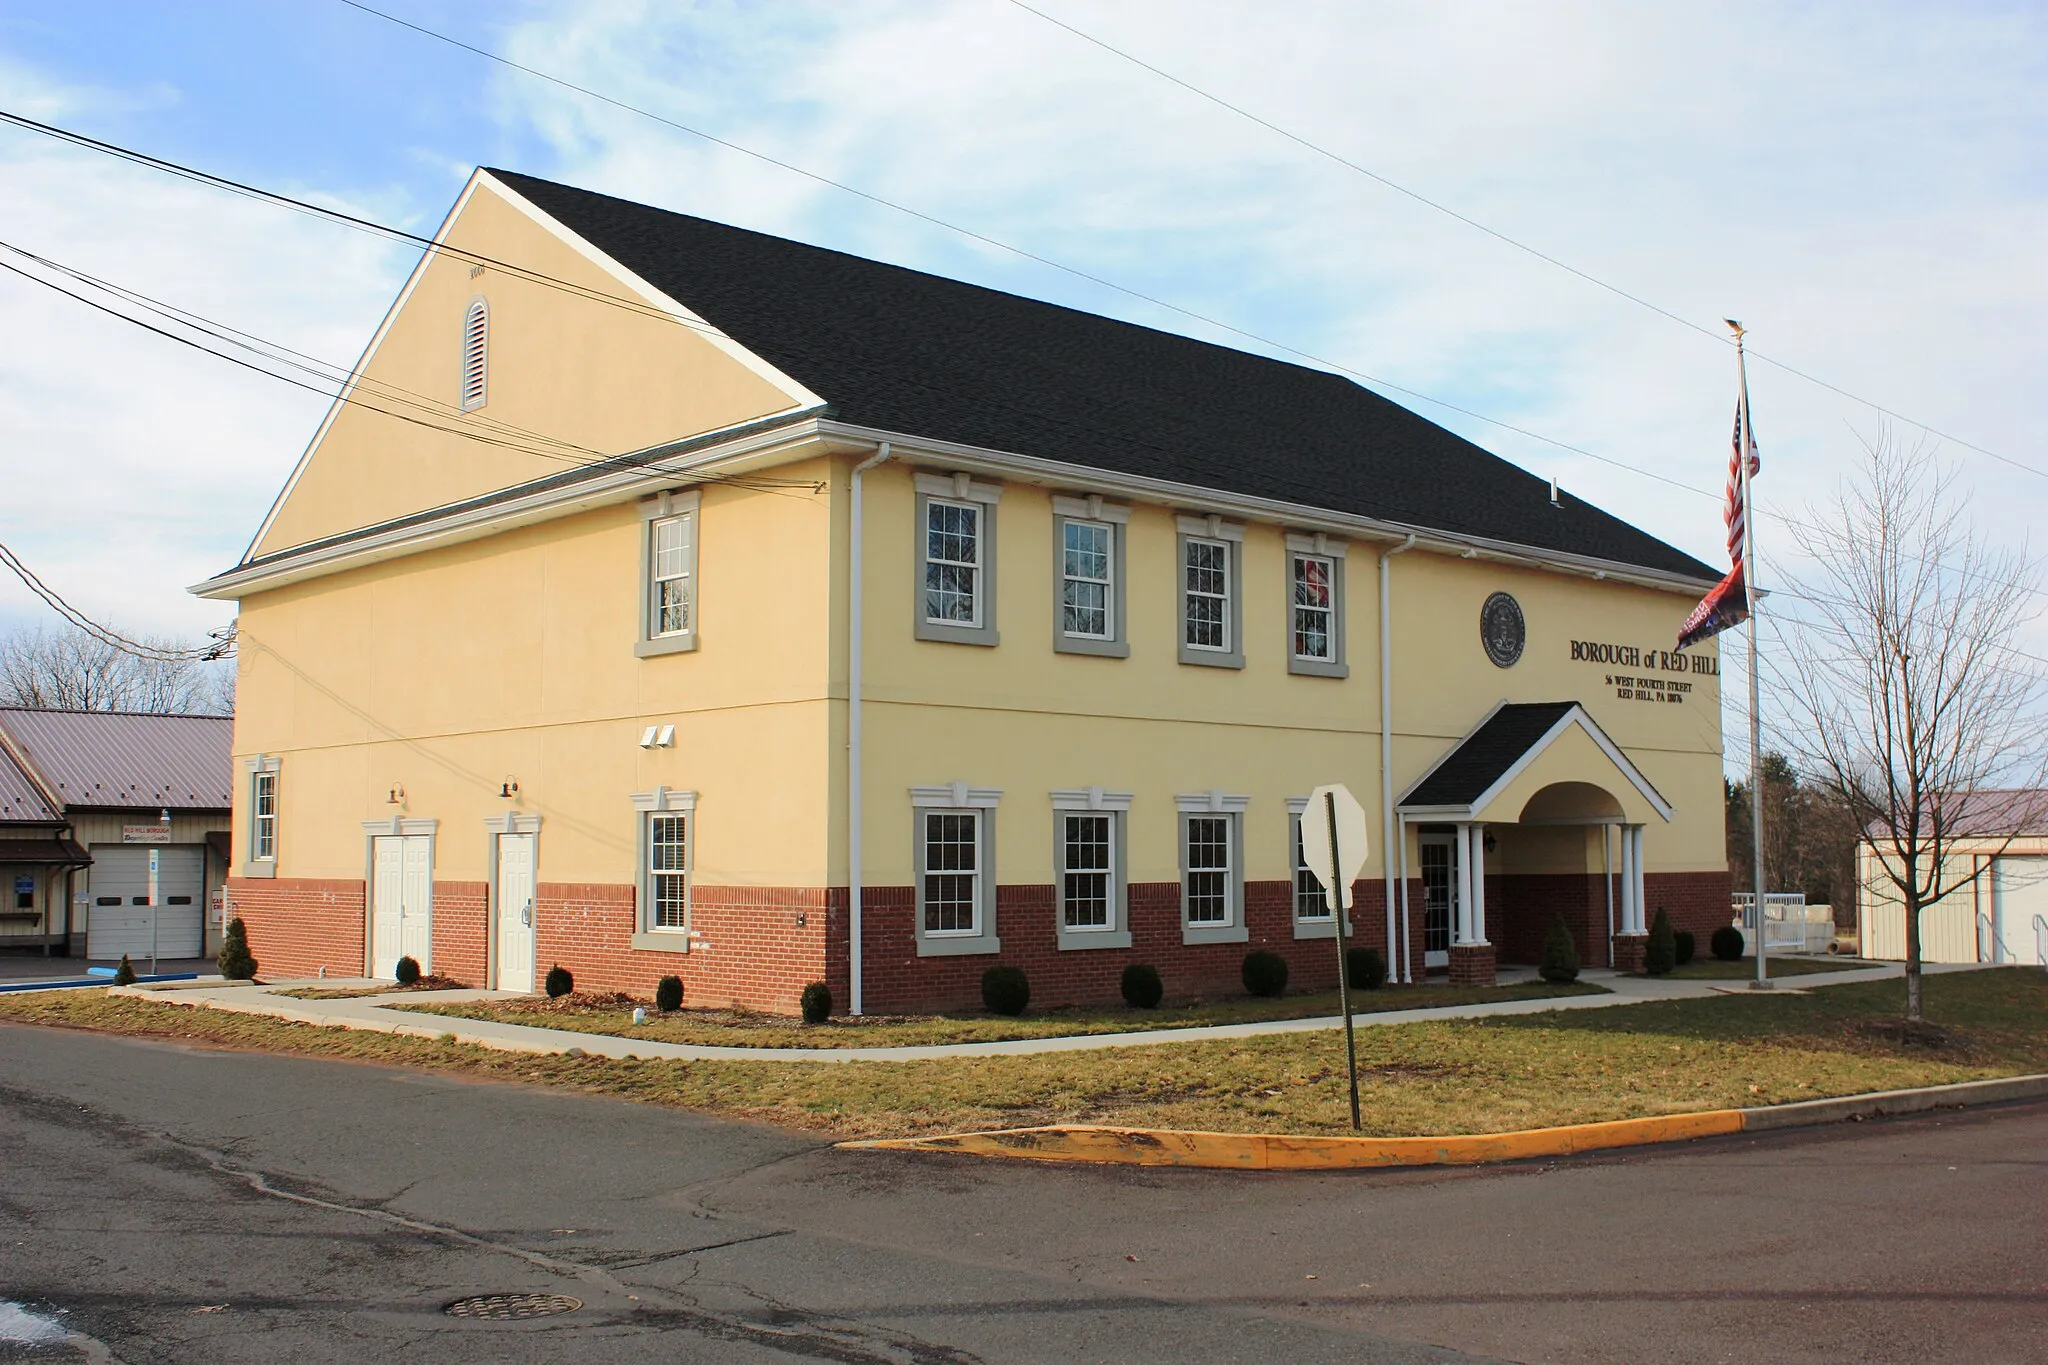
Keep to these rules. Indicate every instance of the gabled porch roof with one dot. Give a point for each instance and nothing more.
(1509, 754)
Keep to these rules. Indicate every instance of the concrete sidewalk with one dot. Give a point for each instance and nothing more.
(373, 1013)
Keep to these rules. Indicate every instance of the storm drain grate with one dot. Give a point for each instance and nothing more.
(512, 1307)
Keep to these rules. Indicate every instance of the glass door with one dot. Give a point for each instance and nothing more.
(1439, 897)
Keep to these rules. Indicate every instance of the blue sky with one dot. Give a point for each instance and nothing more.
(1865, 185)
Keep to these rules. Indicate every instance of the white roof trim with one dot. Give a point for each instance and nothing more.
(1211, 802)
(956, 796)
(1090, 798)
(1576, 716)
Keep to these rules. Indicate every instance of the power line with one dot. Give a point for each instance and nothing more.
(1712, 334)
(223, 640)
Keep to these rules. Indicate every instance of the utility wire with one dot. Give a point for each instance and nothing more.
(1713, 334)
(223, 641)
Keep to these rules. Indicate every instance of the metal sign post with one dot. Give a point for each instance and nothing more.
(1336, 841)
(155, 869)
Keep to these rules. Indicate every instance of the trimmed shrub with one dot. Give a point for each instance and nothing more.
(1366, 969)
(1560, 954)
(559, 982)
(1726, 943)
(124, 975)
(668, 994)
(235, 962)
(816, 1003)
(1005, 990)
(1687, 945)
(1660, 954)
(1265, 973)
(1141, 986)
(406, 972)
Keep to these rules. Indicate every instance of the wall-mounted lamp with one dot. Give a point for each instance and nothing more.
(508, 789)
(1490, 842)
(397, 796)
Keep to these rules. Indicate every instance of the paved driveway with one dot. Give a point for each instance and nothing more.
(172, 1204)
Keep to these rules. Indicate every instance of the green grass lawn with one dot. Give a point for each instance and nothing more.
(744, 1028)
(1442, 1076)
(1744, 969)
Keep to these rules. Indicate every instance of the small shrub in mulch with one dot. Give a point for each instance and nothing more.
(1265, 973)
(816, 1003)
(559, 982)
(434, 981)
(235, 961)
(1005, 990)
(124, 975)
(1365, 968)
(668, 994)
(406, 972)
(1687, 946)
(1726, 943)
(1660, 954)
(1141, 986)
(1560, 954)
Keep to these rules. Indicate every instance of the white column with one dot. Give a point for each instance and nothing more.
(1636, 895)
(1478, 915)
(1628, 879)
(1461, 920)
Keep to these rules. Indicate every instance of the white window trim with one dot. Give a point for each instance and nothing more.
(961, 490)
(1090, 510)
(1116, 805)
(647, 936)
(1318, 546)
(1231, 535)
(685, 502)
(957, 796)
(1323, 925)
(254, 766)
(1208, 803)
(470, 402)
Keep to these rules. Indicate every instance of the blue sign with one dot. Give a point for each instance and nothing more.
(24, 885)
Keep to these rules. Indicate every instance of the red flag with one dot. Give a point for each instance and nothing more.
(1727, 605)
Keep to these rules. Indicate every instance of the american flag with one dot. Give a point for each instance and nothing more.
(1735, 513)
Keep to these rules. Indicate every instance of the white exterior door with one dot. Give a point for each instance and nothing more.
(514, 911)
(2019, 909)
(1439, 897)
(122, 918)
(401, 902)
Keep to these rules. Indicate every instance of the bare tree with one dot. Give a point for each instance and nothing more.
(71, 670)
(1909, 693)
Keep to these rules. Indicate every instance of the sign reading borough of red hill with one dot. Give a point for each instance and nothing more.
(1649, 659)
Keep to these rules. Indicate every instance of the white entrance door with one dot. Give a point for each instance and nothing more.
(122, 918)
(514, 911)
(2019, 910)
(1439, 897)
(401, 902)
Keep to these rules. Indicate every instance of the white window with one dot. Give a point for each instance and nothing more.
(263, 816)
(1212, 867)
(956, 557)
(1211, 615)
(954, 829)
(1087, 871)
(1309, 901)
(476, 342)
(668, 573)
(952, 563)
(1315, 606)
(667, 841)
(1087, 578)
(669, 556)
(952, 872)
(1205, 613)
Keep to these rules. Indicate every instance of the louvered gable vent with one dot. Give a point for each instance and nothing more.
(476, 338)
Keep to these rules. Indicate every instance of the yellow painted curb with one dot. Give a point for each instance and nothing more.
(1287, 1152)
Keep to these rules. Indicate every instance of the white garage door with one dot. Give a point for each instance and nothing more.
(2019, 911)
(121, 912)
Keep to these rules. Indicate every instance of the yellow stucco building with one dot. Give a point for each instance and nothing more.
(666, 598)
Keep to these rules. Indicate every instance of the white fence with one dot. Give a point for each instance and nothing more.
(1790, 924)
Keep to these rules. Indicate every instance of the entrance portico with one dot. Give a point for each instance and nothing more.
(1537, 810)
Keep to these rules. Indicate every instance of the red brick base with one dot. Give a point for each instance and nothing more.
(1471, 964)
(1629, 950)
(299, 926)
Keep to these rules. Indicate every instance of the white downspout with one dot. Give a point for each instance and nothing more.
(855, 593)
(1607, 881)
(1391, 834)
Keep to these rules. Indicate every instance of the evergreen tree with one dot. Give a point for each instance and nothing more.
(1660, 954)
(1560, 954)
(235, 962)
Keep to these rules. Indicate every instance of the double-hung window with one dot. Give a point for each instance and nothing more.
(668, 573)
(1211, 609)
(261, 773)
(1312, 917)
(956, 559)
(1088, 851)
(1088, 568)
(1212, 867)
(1315, 606)
(667, 859)
(954, 832)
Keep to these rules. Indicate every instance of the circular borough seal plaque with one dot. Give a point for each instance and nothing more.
(1502, 630)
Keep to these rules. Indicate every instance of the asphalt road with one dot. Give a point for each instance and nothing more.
(161, 1203)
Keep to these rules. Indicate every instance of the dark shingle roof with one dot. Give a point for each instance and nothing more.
(1487, 752)
(908, 352)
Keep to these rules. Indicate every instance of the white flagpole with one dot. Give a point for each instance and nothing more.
(1746, 440)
